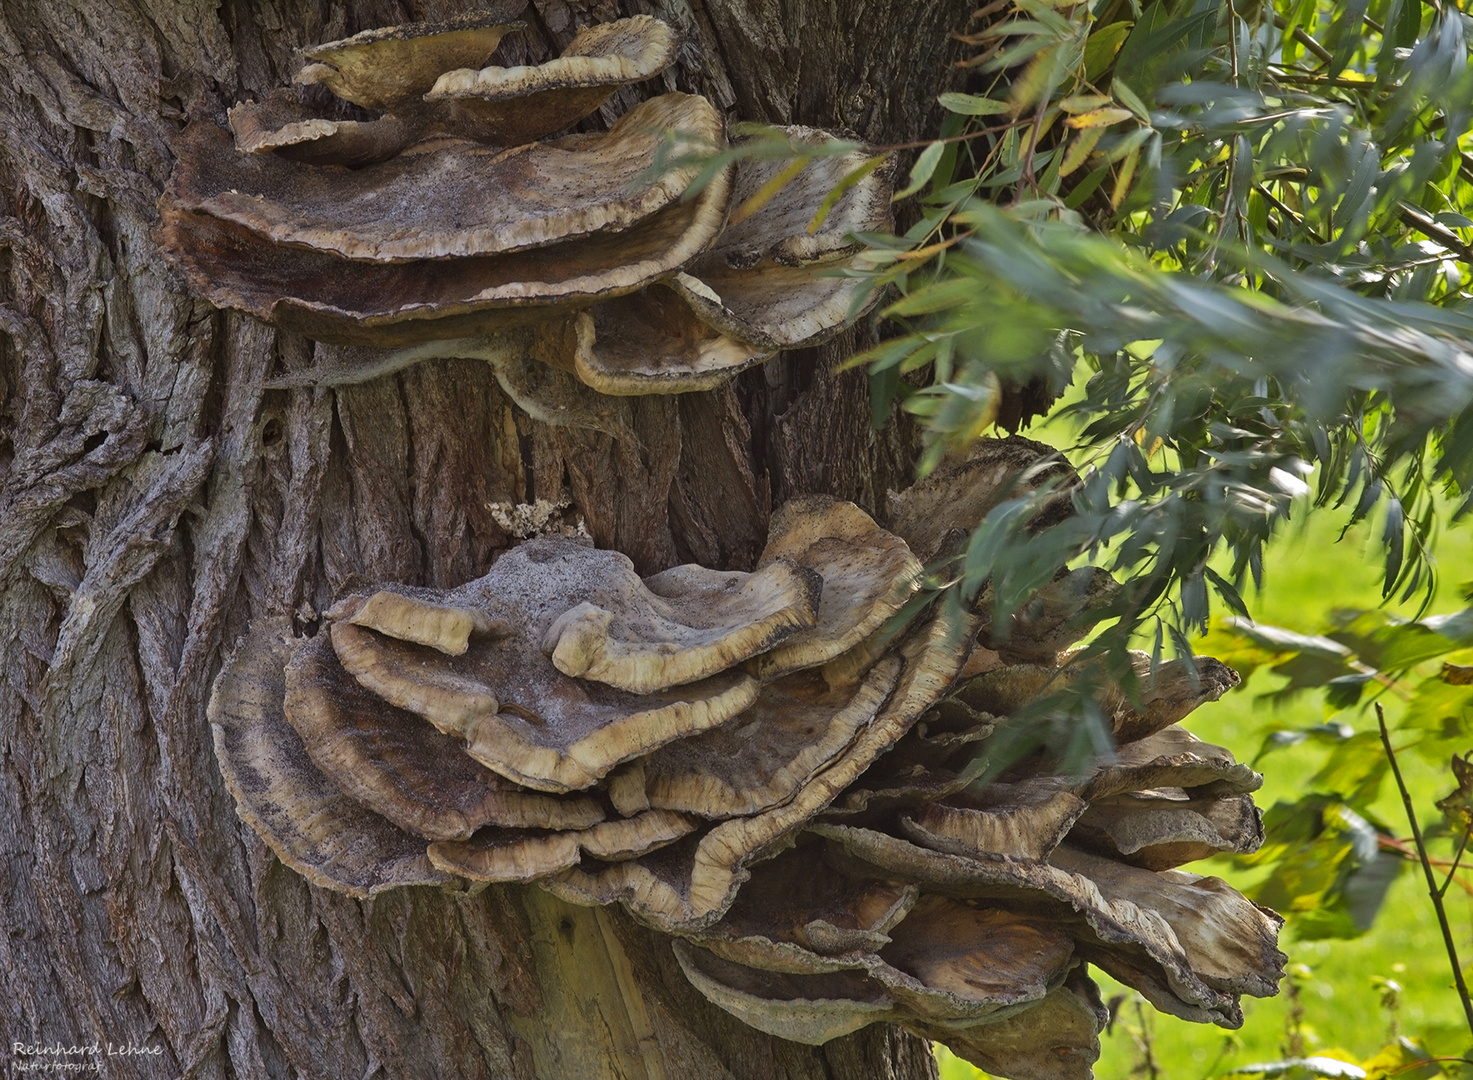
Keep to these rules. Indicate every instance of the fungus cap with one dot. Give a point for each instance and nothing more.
(637, 640)
(516, 105)
(331, 840)
(517, 713)
(690, 885)
(765, 755)
(649, 342)
(397, 765)
(529, 854)
(279, 124)
(414, 206)
(342, 301)
(777, 223)
(394, 65)
(868, 574)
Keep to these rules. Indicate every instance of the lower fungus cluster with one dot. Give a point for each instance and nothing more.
(760, 765)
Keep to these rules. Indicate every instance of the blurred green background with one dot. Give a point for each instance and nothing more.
(1338, 985)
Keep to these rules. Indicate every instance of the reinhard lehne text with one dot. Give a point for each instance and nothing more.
(75, 1058)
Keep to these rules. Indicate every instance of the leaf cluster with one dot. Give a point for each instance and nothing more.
(1240, 227)
(1329, 858)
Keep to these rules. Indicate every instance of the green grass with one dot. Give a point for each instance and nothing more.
(1308, 574)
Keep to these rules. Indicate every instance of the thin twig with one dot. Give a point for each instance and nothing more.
(1432, 890)
(1401, 847)
(1312, 45)
(1304, 39)
(1274, 201)
(1434, 230)
(1233, 38)
(1462, 847)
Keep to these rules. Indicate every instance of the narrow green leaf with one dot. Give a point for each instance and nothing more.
(921, 171)
(1127, 97)
(972, 105)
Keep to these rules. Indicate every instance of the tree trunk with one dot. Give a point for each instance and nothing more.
(156, 498)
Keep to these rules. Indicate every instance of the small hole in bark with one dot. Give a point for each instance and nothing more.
(271, 432)
(94, 441)
(565, 928)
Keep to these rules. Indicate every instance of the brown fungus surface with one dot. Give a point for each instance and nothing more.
(689, 885)
(650, 342)
(1177, 688)
(423, 622)
(942, 509)
(868, 575)
(397, 765)
(1124, 924)
(763, 758)
(775, 307)
(1056, 1039)
(772, 279)
(330, 839)
(951, 960)
(495, 854)
(1171, 758)
(951, 964)
(641, 641)
(1025, 820)
(1163, 828)
(575, 250)
(396, 65)
(413, 206)
(1230, 942)
(809, 1009)
(518, 104)
(795, 793)
(280, 124)
(1055, 617)
(799, 910)
(777, 224)
(337, 300)
(517, 713)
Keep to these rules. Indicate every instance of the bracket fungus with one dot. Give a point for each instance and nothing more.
(774, 768)
(459, 212)
(394, 65)
(518, 104)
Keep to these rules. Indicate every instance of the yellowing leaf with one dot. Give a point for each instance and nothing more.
(1036, 78)
(1079, 149)
(1457, 674)
(1126, 175)
(1101, 47)
(1458, 807)
(1099, 118)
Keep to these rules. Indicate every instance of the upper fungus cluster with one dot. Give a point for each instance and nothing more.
(462, 213)
(777, 768)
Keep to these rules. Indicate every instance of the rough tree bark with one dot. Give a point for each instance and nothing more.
(155, 497)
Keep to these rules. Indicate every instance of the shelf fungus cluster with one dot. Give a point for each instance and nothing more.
(775, 768)
(467, 216)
